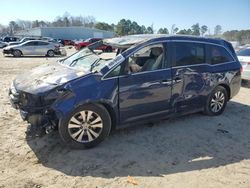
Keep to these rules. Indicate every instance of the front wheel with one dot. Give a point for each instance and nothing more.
(17, 53)
(85, 127)
(217, 101)
(50, 53)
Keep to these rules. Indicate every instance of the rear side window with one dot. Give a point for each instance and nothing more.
(42, 43)
(244, 52)
(219, 55)
(189, 53)
(31, 44)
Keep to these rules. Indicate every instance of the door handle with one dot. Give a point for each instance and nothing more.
(178, 79)
(166, 82)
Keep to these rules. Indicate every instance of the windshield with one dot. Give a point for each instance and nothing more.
(88, 60)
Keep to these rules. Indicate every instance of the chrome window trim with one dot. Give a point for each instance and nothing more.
(207, 64)
(169, 40)
(137, 73)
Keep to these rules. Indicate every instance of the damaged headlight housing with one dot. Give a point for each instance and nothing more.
(57, 93)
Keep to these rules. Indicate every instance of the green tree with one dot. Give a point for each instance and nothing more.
(185, 32)
(104, 26)
(123, 27)
(217, 30)
(204, 29)
(163, 31)
(150, 30)
(143, 29)
(196, 29)
(135, 28)
(176, 29)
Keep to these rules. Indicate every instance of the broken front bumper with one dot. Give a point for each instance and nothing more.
(61, 51)
(42, 117)
(7, 51)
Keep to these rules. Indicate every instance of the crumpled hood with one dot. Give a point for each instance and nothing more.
(46, 77)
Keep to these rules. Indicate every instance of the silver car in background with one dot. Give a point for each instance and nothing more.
(244, 58)
(34, 47)
(3, 44)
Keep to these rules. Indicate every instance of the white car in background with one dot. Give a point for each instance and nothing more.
(244, 58)
(34, 47)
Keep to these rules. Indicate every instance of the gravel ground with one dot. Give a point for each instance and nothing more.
(191, 151)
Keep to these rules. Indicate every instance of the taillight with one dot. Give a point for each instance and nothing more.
(241, 69)
(248, 63)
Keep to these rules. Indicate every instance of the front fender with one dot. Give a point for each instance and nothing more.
(90, 89)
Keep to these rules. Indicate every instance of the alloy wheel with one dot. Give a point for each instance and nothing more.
(85, 126)
(217, 101)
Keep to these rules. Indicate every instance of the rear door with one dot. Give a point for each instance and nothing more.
(28, 48)
(42, 48)
(190, 72)
(145, 91)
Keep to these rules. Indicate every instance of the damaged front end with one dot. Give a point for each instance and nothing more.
(35, 95)
(37, 109)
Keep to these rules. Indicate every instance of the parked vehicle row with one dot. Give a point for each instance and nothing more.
(150, 77)
(66, 42)
(9, 39)
(34, 47)
(3, 44)
(87, 42)
(244, 58)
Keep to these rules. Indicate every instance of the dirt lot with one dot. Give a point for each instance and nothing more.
(191, 151)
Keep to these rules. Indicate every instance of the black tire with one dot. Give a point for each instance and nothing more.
(50, 53)
(17, 53)
(65, 131)
(216, 105)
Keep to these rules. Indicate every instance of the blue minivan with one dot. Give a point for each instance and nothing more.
(146, 78)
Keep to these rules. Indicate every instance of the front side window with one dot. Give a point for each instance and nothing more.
(187, 53)
(146, 59)
(115, 72)
(219, 55)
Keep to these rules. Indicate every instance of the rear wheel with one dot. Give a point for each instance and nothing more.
(217, 101)
(85, 127)
(17, 53)
(50, 53)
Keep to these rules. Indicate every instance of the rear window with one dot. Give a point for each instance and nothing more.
(189, 53)
(244, 52)
(219, 55)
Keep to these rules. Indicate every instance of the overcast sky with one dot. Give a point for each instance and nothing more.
(230, 14)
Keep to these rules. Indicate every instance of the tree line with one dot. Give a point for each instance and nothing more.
(125, 27)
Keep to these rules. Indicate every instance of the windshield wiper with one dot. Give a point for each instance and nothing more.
(75, 60)
(95, 64)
